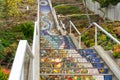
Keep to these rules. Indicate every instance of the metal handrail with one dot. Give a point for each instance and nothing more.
(17, 71)
(96, 26)
(109, 61)
(86, 10)
(108, 34)
(56, 19)
(104, 31)
(87, 29)
(34, 47)
(18, 64)
(54, 15)
(62, 24)
(71, 24)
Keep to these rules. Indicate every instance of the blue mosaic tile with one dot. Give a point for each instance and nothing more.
(103, 71)
(108, 77)
(98, 65)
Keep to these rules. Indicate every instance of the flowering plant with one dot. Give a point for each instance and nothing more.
(4, 73)
(116, 52)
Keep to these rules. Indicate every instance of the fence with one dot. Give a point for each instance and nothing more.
(112, 12)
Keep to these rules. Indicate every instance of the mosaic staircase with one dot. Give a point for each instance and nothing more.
(59, 58)
(66, 63)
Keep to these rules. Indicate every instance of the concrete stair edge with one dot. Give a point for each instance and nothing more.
(75, 41)
(109, 61)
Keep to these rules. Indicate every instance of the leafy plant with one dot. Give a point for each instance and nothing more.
(4, 73)
(116, 51)
(106, 3)
(65, 9)
(9, 39)
(27, 29)
(116, 54)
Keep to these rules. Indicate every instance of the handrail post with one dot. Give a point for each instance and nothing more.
(22, 74)
(96, 36)
(80, 46)
(70, 28)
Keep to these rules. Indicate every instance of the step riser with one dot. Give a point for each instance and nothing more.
(94, 77)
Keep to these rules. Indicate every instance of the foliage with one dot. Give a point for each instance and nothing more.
(4, 73)
(0, 8)
(65, 9)
(103, 40)
(9, 39)
(30, 2)
(106, 3)
(78, 16)
(14, 11)
(116, 54)
(116, 51)
(10, 8)
(26, 28)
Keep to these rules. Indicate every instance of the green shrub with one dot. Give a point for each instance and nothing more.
(27, 29)
(78, 17)
(106, 3)
(10, 37)
(67, 9)
(116, 54)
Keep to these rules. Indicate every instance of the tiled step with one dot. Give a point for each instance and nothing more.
(46, 59)
(90, 55)
(75, 77)
(67, 65)
(86, 51)
(56, 69)
(73, 70)
(73, 64)
(56, 42)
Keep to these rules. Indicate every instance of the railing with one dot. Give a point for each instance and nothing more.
(62, 28)
(104, 31)
(56, 19)
(17, 71)
(62, 24)
(54, 15)
(35, 48)
(96, 27)
(114, 69)
(79, 37)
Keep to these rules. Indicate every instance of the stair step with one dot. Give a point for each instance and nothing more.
(74, 77)
(98, 65)
(70, 71)
(86, 50)
(72, 62)
(46, 59)
(76, 64)
(56, 69)
(56, 42)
